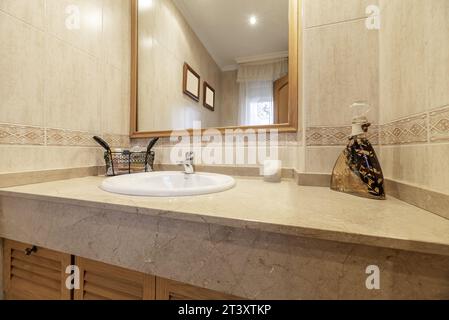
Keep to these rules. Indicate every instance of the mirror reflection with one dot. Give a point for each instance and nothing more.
(223, 62)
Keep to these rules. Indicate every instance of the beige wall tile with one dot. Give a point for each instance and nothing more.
(341, 67)
(414, 57)
(21, 72)
(72, 157)
(414, 77)
(437, 52)
(401, 37)
(321, 159)
(53, 79)
(30, 158)
(32, 12)
(88, 36)
(72, 88)
(300, 159)
(421, 165)
(406, 164)
(289, 157)
(117, 33)
(115, 109)
(437, 167)
(321, 12)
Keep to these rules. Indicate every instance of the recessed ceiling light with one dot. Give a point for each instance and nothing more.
(253, 20)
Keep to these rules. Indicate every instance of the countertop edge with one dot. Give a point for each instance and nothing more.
(298, 231)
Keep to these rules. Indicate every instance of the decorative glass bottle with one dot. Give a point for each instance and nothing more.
(358, 171)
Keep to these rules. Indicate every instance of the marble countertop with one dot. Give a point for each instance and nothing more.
(282, 208)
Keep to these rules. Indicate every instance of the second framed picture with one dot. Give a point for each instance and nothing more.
(209, 97)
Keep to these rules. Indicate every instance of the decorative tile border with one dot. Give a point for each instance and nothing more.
(327, 136)
(439, 125)
(406, 131)
(336, 136)
(117, 141)
(57, 137)
(22, 135)
(11, 134)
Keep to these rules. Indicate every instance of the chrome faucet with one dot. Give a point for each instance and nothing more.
(188, 163)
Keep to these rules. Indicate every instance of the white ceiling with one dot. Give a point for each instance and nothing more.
(223, 28)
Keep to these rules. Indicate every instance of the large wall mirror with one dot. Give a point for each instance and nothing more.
(223, 63)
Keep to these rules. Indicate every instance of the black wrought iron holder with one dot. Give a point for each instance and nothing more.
(127, 162)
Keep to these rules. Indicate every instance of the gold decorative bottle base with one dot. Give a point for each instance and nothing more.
(358, 172)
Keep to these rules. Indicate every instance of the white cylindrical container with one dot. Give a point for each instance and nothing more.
(272, 171)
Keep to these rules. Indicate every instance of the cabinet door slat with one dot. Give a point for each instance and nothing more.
(40, 261)
(35, 291)
(42, 271)
(108, 293)
(101, 281)
(114, 284)
(173, 290)
(29, 276)
(38, 276)
(93, 297)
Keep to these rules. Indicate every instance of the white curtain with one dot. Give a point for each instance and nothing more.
(266, 71)
(256, 91)
(256, 103)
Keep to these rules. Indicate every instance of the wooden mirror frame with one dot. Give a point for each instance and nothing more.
(295, 74)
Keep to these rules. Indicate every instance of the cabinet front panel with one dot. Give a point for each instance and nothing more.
(34, 273)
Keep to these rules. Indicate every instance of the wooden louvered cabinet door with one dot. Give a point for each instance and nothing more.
(172, 290)
(34, 273)
(100, 281)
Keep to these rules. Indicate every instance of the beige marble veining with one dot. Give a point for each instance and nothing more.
(283, 208)
(244, 262)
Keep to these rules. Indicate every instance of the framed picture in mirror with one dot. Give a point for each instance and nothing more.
(209, 97)
(191, 83)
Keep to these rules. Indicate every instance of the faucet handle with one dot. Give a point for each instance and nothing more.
(190, 156)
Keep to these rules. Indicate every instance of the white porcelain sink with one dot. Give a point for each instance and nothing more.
(168, 184)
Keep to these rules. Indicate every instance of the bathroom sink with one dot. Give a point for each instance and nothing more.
(168, 184)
